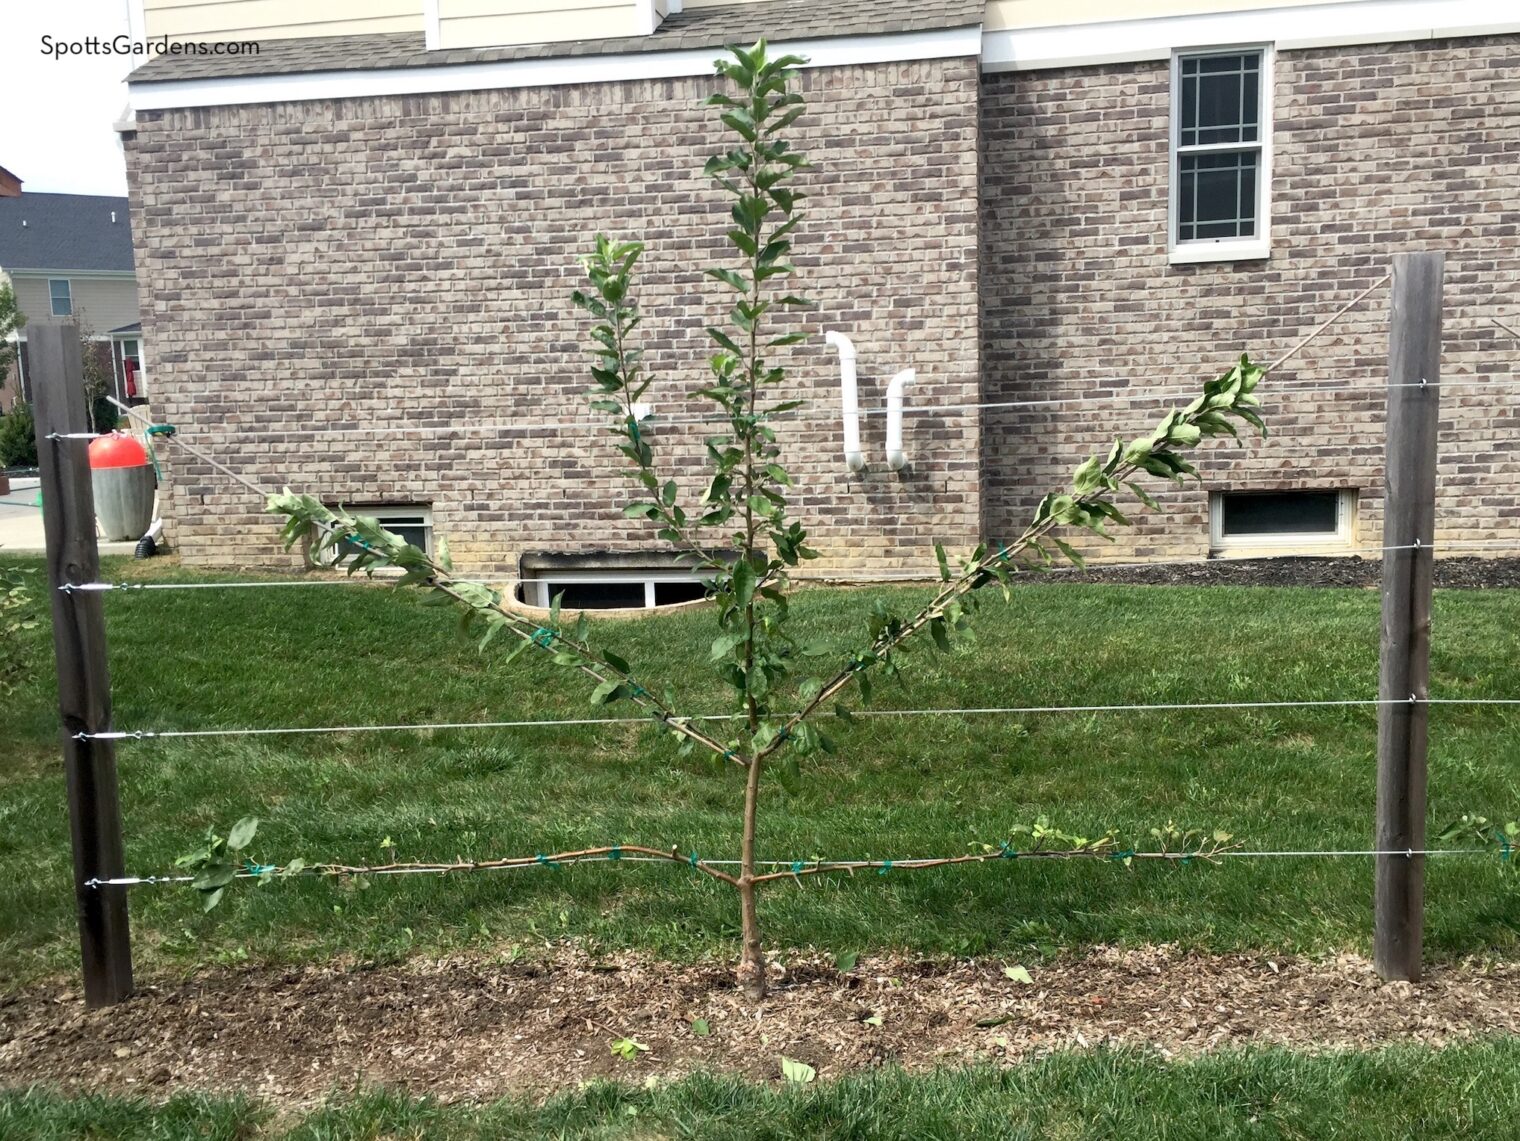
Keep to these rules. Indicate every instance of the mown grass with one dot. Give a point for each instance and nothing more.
(928, 785)
(1464, 1091)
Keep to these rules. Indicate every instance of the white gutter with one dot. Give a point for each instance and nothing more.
(849, 400)
(895, 458)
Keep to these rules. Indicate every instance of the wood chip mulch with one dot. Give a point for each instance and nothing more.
(476, 1029)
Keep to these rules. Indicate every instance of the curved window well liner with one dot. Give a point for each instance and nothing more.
(1312, 521)
(607, 581)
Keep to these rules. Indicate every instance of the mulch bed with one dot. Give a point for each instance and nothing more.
(1467, 573)
(475, 1029)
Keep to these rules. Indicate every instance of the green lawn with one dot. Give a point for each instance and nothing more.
(1464, 1092)
(911, 787)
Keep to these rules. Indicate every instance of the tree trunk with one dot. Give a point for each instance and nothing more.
(752, 959)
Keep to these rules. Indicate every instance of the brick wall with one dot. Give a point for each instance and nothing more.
(335, 292)
(1378, 149)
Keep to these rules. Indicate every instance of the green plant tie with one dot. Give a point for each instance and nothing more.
(161, 429)
(1122, 855)
(886, 866)
(543, 636)
(259, 869)
(729, 755)
(1504, 843)
(692, 859)
(640, 691)
(1187, 859)
(797, 867)
(545, 860)
(616, 853)
(1006, 852)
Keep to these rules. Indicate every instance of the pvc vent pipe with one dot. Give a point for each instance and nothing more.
(895, 458)
(849, 400)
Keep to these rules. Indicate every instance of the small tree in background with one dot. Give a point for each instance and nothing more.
(738, 531)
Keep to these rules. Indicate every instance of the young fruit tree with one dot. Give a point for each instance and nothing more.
(739, 531)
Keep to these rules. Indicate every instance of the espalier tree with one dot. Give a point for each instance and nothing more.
(739, 531)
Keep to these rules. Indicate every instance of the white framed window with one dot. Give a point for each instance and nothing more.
(610, 588)
(411, 522)
(1277, 520)
(1221, 154)
(60, 297)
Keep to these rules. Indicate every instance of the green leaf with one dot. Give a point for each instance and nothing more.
(700, 1027)
(846, 960)
(798, 1072)
(605, 693)
(944, 563)
(242, 833)
(1018, 975)
(627, 1048)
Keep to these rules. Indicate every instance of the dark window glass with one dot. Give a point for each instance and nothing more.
(598, 595)
(668, 593)
(412, 530)
(1279, 513)
(61, 298)
(1221, 100)
(1217, 195)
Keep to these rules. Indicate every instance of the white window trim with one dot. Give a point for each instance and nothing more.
(1221, 249)
(52, 302)
(536, 589)
(1342, 538)
(389, 512)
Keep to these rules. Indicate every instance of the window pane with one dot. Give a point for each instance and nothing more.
(1220, 100)
(599, 595)
(669, 593)
(1217, 195)
(1279, 513)
(58, 294)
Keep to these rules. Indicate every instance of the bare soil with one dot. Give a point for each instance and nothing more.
(472, 1029)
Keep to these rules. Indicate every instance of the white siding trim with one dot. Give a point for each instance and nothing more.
(1307, 26)
(432, 26)
(836, 52)
(646, 18)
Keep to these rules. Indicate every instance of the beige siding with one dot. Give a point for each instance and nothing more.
(1003, 14)
(489, 23)
(102, 303)
(278, 19)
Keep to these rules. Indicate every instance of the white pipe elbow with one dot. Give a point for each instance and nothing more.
(849, 400)
(896, 460)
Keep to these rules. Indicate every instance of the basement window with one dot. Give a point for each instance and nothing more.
(1241, 520)
(607, 582)
(413, 524)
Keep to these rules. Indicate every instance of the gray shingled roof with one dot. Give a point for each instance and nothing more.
(695, 28)
(65, 231)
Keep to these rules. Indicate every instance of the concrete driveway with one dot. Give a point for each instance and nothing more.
(21, 522)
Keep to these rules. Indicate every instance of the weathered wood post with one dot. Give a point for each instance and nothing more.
(79, 646)
(1414, 364)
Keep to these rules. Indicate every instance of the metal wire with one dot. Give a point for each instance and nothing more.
(977, 711)
(529, 863)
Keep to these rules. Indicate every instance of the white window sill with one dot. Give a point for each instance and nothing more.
(1219, 251)
(1268, 546)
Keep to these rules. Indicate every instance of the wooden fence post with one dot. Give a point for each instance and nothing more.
(79, 646)
(1414, 364)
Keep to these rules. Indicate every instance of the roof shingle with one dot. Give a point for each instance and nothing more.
(65, 231)
(693, 29)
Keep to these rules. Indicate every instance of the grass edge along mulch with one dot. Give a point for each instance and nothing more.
(1464, 1090)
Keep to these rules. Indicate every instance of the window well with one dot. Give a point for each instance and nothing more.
(611, 581)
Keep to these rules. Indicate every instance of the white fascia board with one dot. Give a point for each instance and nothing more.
(1306, 26)
(834, 52)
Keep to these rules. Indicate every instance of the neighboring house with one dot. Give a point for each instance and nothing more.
(357, 245)
(70, 256)
(10, 185)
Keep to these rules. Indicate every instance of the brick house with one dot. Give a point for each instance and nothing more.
(356, 247)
